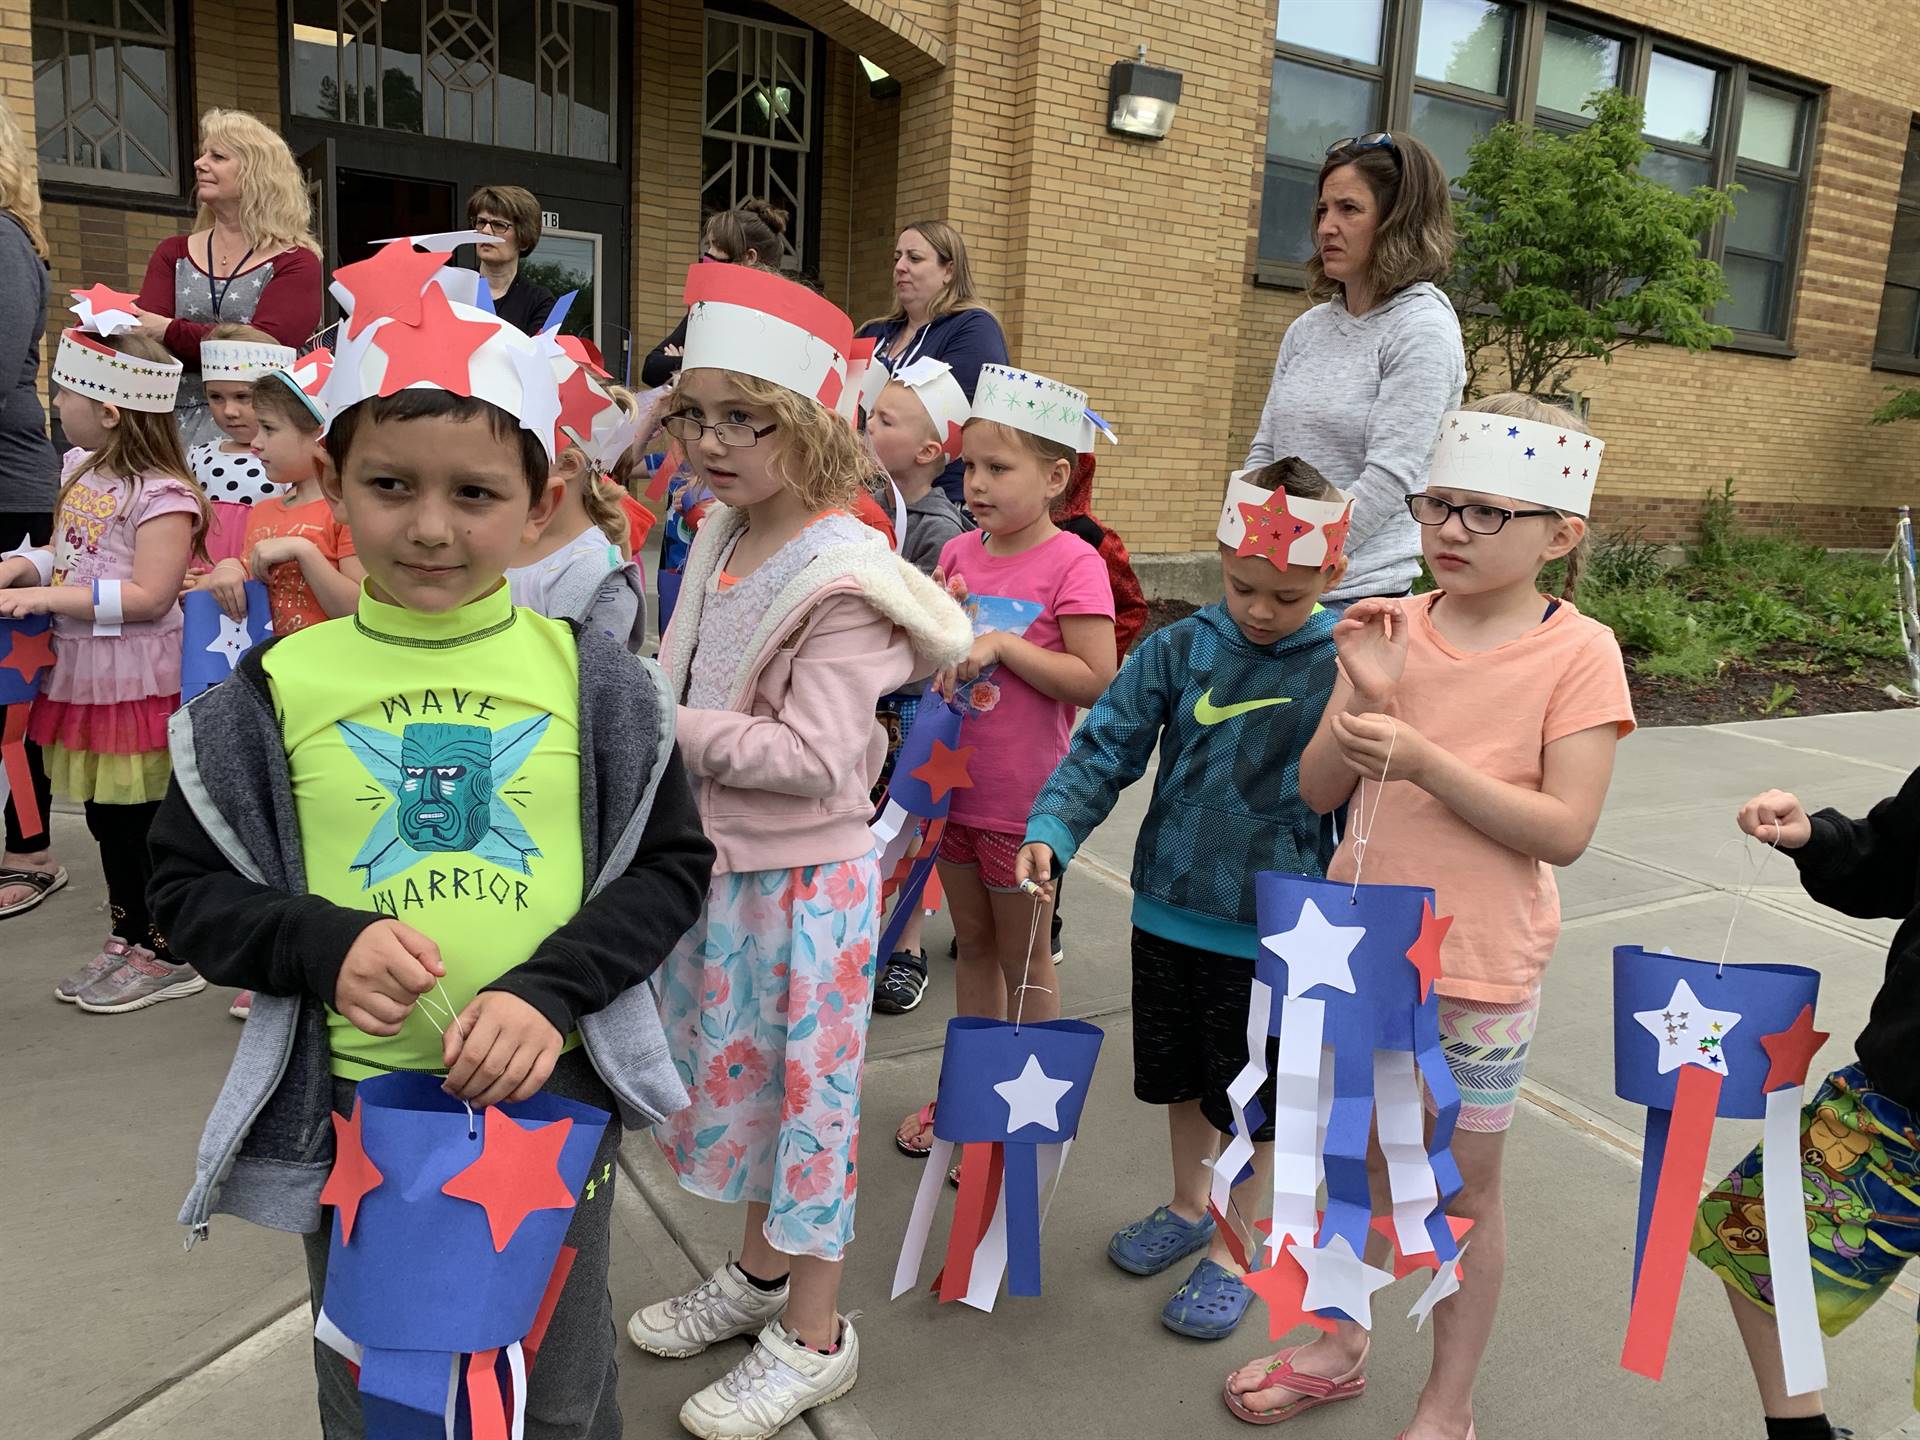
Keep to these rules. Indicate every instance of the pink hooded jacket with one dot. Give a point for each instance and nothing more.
(782, 776)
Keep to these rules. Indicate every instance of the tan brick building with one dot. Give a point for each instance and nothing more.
(1158, 275)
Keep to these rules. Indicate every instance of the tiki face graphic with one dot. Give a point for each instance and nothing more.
(446, 785)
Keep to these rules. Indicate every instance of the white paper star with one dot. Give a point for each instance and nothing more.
(1443, 1284)
(1033, 1097)
(539, 393)
(1338, 1279)
(1689, 1033)
(232, 642)
(1316, 952)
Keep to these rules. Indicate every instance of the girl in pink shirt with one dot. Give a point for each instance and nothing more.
(794, 618)
(1487, 715)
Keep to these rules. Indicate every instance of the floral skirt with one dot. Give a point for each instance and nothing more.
(765, 1002)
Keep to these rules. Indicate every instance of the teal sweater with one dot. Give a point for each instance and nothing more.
(1231, 720)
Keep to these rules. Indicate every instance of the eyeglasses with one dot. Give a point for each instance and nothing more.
(494, 227)
(1431, 510)
(1378, 140)
(734, 434)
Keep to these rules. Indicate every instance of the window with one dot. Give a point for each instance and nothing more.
(525, 74)
(756, 135)
(1898, 342)
(106, 93)
(1448, 71)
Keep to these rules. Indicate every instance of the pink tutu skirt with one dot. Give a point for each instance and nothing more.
(101, 718)
(107, 669)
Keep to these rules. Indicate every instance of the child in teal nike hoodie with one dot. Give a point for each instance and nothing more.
(1230, 697)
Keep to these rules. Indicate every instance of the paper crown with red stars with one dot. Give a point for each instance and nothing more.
(756, 323)
(87, 365)
(1516, 459)
(1283, 528)
(402, 332)
(307, 379)
(946, 402)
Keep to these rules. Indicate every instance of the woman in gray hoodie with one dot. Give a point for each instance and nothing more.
(1363, 377)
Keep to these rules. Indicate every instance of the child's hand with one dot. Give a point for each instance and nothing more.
(276, 550)
(985, 652)
(1776, 818)
(26, 600)
(389, 967)
(954, 585)
(228, 582)
(944, 681)
(1372, 640)
(500, 1049)
(1378, 746)
(1036, 864)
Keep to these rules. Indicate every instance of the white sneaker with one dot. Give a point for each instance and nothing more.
(780, 1380)
(718, 1308)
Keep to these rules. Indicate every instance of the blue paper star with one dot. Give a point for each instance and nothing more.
(1513, 432)
(1529, 452)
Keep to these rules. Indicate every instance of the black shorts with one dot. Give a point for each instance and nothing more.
(1190, 1029)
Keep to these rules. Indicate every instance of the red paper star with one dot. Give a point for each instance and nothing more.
(583, 352)
(1271, 529)
(951, 447)
(945, 770)
(353, 1174)
(1425, 952)
(1791, 1050)
(391, 281)
(101, 298)
(1405, 1265)
(1336, 532)
(831, 384)
(1283, 1285)
(518, 1172)
(438, 350)
(29, 654)
(581, 401)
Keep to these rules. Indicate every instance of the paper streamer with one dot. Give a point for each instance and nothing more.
(26, 659)
(1789, 1257)
(1664, 1262)
(1231, 1166)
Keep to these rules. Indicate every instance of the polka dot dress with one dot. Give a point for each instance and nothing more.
(230, 479)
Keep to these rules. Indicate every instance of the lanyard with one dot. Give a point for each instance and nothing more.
(218, 293)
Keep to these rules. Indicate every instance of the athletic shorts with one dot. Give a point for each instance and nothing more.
(993, 852)
(1486, 1047)
(1860, 1174)
(1190, 1029)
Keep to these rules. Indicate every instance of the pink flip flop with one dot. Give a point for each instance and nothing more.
(1311, 1391)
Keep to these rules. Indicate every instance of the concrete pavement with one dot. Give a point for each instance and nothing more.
(113, 1331)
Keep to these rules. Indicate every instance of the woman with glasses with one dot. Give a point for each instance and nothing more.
(511, 216)
(1365, 375)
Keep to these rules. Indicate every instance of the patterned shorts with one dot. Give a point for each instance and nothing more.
(995, 852)
(1860, 1173)
(1486, 1047)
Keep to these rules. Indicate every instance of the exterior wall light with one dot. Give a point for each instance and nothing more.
(1141, 98)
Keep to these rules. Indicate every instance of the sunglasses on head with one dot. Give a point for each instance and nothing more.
(1378, 140)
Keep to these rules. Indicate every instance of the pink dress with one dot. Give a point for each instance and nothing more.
(102, 713)
(233, 482)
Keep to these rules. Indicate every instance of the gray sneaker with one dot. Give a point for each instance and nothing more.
(111, 957)
(143, 979)
(718, 1308)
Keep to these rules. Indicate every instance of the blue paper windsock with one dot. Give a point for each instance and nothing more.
(212, 642)
(1692, 1040)
(446, 1229)
(1013, 1096)
(26, 659)
(930, 766)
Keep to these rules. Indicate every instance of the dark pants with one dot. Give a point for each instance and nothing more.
(121, 832)
(36, 529)
(571, 1391)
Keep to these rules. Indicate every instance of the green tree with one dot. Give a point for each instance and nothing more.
(1567, 252)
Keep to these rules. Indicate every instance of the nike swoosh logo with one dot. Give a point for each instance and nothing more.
(1208, 713)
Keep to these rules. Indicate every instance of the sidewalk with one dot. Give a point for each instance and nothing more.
(114, 1332)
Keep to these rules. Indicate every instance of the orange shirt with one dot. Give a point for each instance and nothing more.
(1497, 710)
(293, 601)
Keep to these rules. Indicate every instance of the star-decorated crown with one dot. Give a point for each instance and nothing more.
(591, 418)
(1283, 528)
(403, 332)
(1039, 406)
(946, 402)
(242, 360)
(87, 365)
(1549, 465)
(306, 377)
(756, 323)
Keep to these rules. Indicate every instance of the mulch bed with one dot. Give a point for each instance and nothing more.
(1739, 692)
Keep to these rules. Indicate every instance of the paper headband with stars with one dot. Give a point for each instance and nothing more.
(242, 360)
(306, 379)
(1517, 459)
(87, 365)
(1039, 406)
(756, 323)
(403, 332)
(1283, 528)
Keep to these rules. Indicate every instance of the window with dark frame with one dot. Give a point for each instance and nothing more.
(106, 93)
(1898, 341)
(1447, 71)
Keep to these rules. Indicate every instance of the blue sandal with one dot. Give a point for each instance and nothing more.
(1149, 1246)
(1209, 1306)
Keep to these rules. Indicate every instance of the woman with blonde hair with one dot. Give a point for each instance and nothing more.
(937, 316)
(1363, 378)
(250, 260)
(29, 470)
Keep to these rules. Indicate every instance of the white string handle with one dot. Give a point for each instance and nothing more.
(1363, 822)
(1742, 891)
(1033, 933)
(453, 1017)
